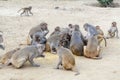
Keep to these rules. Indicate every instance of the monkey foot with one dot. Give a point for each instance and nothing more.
(36, 65)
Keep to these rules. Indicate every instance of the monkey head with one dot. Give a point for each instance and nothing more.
(114, 24)
(43, 26)
(57, 28)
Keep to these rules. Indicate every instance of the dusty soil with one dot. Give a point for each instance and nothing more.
(16, 29)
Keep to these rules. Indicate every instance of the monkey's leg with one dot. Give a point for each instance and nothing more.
(30, 12)
(2, 47)
(32, 62)
(27, 14)
(22, 13)
(59, 63)
(117, 35)
(84, 51)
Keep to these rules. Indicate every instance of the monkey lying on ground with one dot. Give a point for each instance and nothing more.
(113, 31)
(1, 41)
(92, 50)
(7, 56)
(19, 58)
(66, 59)
(26, 11)
(100, 36)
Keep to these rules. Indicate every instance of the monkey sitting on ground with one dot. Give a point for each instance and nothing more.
(26, 11)
(27, 54)
(66, 59)
(1, 41)
(92, 50)
(100, 36)
(113, 31)
(41, 29)
(76, 43)
(7, 56)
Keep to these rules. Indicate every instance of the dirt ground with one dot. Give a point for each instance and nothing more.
(16, 29)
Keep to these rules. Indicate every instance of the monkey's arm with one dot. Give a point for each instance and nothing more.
(60, 62)
(117, 33)
(32, 62)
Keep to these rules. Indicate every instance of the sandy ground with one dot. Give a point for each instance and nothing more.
(16, 29)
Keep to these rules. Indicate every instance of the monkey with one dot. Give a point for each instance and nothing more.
(52, 41)
(91, 31)
(7, 56)
(38, 39)
(113, 31)
(92, 50)
(77, 44)
(100, 35)
(56, 31)
(2, 41)
(66, 59)
(65, 39)
(26, 11)
(28, 53)
(41, 29)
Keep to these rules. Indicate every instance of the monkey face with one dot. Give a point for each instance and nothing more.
(57, 28)
(114, 24)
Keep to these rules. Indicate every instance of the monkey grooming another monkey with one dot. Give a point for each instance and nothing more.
(26, 11)
(27, 54)
(7, 56)
(1, 41)
(66, 59)
(113, 31)
(100, 36)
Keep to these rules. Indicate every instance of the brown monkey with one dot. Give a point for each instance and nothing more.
(26, 11)
(66, 59)
(92, 50)
(7, 56)
(1, 40)
(76, 45)
(100, 35)
(113, 31)
(27, 54)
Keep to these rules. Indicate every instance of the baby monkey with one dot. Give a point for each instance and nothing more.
(26, 11)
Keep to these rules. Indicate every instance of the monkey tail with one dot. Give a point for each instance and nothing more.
(105, 41)
(19, 10)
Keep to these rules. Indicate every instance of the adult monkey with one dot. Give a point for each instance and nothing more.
(92, 50)
(113, 31)
(42, 28)
(77, 44)
(100, 35)
(26, 11)
(66, 59)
